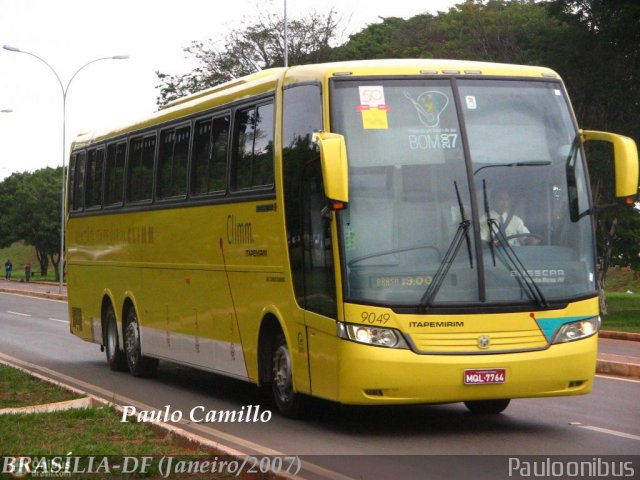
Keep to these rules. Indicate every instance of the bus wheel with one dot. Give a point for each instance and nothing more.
(289, 403)
(487, 406)
(139, 365)
(115, 356)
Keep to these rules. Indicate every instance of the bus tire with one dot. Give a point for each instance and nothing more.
(115, 355)
(139, 365)
(487, 407)
(290, 404)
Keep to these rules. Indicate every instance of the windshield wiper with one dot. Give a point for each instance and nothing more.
(530, 163)
(454, 247)
(508, 256)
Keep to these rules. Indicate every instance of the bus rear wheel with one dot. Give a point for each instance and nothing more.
(139, 365)
(290, 404)
(115, 356)
(487, 407)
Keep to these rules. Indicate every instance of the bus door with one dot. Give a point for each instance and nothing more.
(319, 291)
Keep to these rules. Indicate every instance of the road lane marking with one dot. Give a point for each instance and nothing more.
(620, 379)
(58, 320)
(606, 430)
(18, 313)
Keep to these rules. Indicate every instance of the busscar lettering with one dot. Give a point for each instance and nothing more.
(436, 324)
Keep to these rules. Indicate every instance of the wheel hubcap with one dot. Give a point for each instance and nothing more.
(282, 373)
(133, 343)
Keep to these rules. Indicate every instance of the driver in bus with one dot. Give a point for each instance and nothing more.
(511, 225)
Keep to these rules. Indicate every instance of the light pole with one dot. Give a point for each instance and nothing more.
(65, 90)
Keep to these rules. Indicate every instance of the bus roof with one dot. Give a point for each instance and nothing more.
(268, 79)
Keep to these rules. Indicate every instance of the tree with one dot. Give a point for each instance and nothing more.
(30, 211)
(8, 189)
(253, 47)
(602, 77)
(517, 31)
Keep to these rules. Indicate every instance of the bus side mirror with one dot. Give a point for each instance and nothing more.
(625, 160)
(333, 160)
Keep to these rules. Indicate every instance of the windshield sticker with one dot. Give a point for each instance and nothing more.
(349, 238)
(429, 106)
(471, 102)
(373, 107)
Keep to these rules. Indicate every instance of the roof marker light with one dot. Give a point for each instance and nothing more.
(342, 74)
(451, 72)
(429, 72)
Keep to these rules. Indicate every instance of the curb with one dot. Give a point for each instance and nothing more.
(93, 400)
(619, 369)
(620, 335)
(84, 402)
(32, 293)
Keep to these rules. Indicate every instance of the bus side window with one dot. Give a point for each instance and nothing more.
(140, 168)
(253, 153)
(72, 180)
(95, 171)
(209, 156)
(172, 163)
(78, 181)
(114, 173)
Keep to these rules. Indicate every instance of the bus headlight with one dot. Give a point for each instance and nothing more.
(370, 335)
(577, 330)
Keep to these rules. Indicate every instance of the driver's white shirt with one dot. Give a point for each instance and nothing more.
(514, 227)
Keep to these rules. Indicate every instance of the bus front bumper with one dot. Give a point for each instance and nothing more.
(376, 375)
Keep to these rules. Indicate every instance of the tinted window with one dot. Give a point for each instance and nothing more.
(140, 168)
(78, 181)
(172, 162)
(114, 173)
(253, 162)
(95, 170)
(209, 167)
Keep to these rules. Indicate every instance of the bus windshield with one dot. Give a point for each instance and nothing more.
(462, 192)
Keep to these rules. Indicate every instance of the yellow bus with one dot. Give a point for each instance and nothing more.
(368, 232)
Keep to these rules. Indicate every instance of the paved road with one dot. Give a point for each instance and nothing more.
(380, 443)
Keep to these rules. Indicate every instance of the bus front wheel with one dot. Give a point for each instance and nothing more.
(289, 403)
(487, 407)
(115, 356)
(139, 365)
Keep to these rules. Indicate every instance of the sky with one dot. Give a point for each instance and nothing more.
(67, 34)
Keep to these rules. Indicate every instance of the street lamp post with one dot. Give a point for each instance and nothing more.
(65, 90)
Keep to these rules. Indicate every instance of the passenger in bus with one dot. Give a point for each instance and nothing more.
(511, 225)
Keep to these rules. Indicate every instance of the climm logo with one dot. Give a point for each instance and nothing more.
(239, 233)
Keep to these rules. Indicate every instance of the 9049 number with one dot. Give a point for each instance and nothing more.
(375, 318)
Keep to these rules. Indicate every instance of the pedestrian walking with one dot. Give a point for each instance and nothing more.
(27, 271)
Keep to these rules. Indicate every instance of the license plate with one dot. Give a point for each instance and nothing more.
(485, 376)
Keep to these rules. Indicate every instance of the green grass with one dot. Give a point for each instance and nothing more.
(20, 254)
(83, 431)
(18, 389)
(622, 280)
(624, 312)
(94, 432)
(624, 307)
